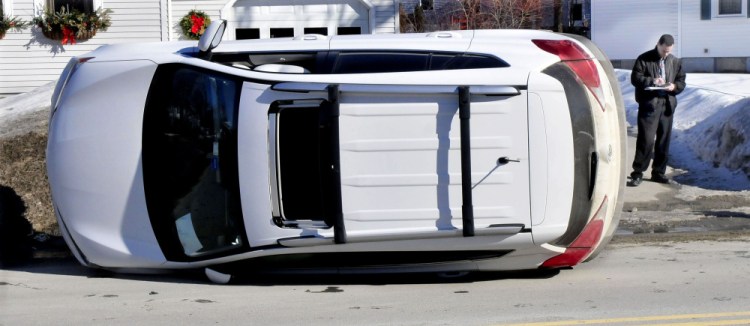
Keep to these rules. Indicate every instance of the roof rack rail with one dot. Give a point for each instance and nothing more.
(464, 114)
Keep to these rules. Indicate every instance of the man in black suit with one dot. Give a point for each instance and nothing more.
(658, 77)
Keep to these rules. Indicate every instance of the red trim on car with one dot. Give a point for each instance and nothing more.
(584, 244)
(582, 64)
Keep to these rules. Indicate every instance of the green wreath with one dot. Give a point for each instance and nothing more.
(194, 24)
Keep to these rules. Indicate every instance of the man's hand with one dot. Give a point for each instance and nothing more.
(659, 81)
(670, 87)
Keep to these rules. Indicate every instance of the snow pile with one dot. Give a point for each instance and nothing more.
(711, 130)
(25, 112)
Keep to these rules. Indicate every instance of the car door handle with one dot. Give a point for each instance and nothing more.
(505, 160)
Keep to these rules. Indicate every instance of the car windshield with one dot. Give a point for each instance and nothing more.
(190, 162)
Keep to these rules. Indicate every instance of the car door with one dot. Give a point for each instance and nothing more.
(401, 159)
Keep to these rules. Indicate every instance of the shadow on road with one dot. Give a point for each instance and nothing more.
(388, 279)
(64, 264)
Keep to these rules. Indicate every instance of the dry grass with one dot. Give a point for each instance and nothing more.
(23, 168)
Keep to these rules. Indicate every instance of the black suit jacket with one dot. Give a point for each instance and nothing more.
(646, 70)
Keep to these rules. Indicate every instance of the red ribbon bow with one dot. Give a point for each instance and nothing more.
(197, 24)
(68, 36)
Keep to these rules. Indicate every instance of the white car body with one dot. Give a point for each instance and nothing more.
(392, 195)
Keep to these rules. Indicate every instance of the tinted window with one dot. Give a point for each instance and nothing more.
(190, 162)
(439, 61)
(374, 62)
(324, 62)
(472, 61)
(370, 62)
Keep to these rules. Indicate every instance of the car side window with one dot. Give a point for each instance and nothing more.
(379, 62)
(359, 62)
(471, 61)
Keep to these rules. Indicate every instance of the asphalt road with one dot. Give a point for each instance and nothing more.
(636, 280)
(681, 257)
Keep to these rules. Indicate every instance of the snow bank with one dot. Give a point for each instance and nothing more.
(26, 112)
(711, 130)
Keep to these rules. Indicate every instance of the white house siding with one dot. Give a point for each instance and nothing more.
(29, 60)
(386, 17)
(297, 14)
(625, 29)
(717, 37)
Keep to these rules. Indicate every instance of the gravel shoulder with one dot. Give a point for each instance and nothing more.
(653, 210)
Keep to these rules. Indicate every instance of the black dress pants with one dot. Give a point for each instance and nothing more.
(654, 133)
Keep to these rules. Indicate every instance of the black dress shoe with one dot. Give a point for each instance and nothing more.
(660, 179)
(635, 181)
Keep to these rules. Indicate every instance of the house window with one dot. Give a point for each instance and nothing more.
(730, 7)
(316, 30)
(427, 4)
(576, 11)
(70, 5)
(282, 32)
(348, 31)
(247, 33)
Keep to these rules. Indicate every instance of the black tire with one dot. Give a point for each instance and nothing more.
(15, 245)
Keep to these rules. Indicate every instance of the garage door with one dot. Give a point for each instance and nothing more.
(250, 19)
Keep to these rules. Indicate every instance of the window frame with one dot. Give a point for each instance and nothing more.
(716, 5)
(42, 5)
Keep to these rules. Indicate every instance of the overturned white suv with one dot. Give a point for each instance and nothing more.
(442, 152)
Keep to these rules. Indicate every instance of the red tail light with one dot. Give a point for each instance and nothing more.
(579, 61)
(584, 244)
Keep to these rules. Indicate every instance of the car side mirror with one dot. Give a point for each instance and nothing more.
(211, 38)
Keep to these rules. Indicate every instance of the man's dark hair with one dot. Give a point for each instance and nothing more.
(666, 39)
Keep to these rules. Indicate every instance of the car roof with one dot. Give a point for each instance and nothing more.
(512, 46)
